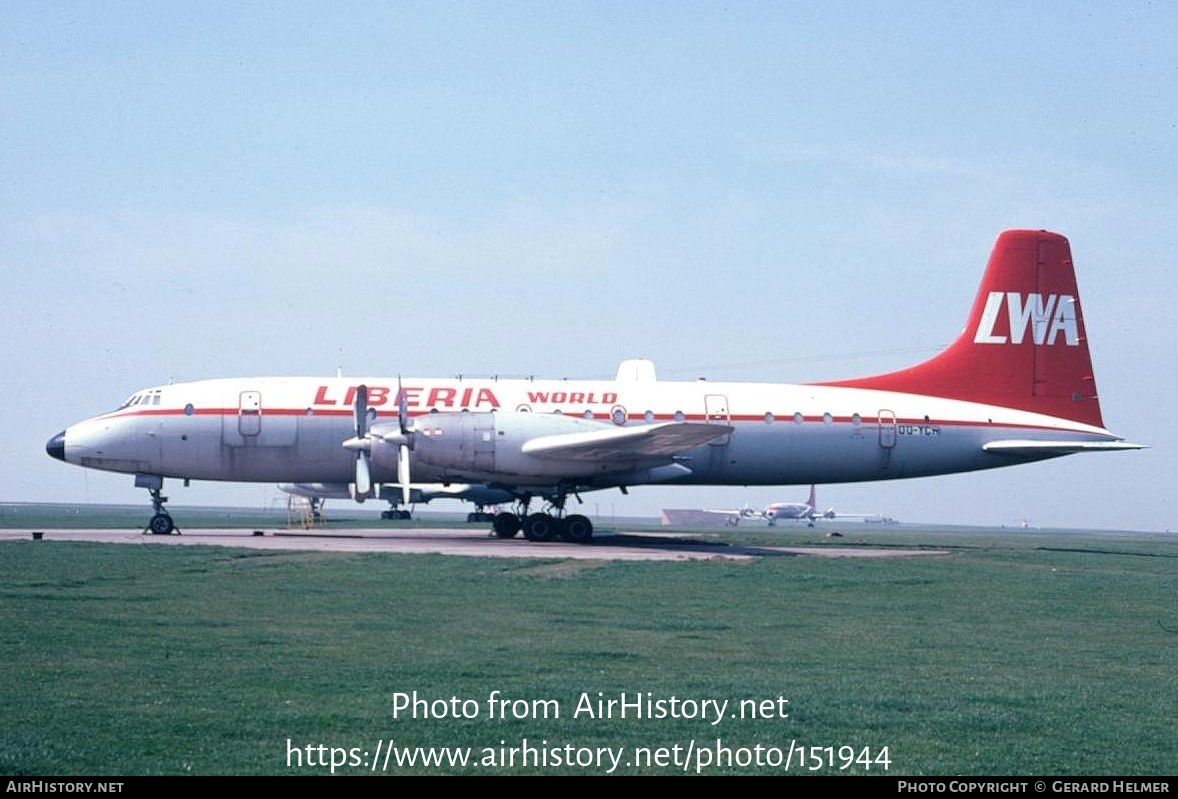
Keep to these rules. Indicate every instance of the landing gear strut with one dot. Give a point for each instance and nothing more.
(161, 523)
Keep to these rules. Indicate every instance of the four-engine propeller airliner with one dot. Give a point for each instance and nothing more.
(1015, 387)
(808, 510)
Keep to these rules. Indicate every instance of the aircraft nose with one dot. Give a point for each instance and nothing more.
(56, 446)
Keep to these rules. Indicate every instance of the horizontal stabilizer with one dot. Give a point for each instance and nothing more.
(1056, 447)
(613, 443)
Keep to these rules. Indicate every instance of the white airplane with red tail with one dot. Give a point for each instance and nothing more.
(808, 510)
(1016, 386)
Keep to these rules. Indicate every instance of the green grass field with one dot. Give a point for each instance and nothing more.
(1017, 653)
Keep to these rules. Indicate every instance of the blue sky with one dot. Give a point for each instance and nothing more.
(771, 192)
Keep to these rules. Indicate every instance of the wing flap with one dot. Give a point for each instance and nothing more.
(623, 443)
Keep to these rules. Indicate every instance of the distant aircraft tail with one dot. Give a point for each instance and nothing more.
(812, 501)
(1024, 345)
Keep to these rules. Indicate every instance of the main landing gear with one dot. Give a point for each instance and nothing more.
(161, 523)
(575, 528)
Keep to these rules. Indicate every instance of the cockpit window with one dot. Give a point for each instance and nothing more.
(142, 398)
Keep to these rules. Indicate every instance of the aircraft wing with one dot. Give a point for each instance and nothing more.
(1015, 447)
(626, 443)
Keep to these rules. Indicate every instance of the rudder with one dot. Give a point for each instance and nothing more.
(1024, 345)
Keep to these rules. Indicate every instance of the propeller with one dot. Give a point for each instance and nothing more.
(361, 443)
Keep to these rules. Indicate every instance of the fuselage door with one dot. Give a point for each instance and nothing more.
(249, 413)
(483, 444)
(887, 429)
(716, 412)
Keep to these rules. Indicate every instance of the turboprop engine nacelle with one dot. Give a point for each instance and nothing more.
(486, 447)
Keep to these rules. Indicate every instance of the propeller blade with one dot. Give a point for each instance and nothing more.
(360, 411)
(406, 442)
(402, 407)
(363, 476)
(403, 471)
(361, 444)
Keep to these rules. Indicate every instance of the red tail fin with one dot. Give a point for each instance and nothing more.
(1024, 346)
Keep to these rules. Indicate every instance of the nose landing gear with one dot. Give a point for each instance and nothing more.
(161, 523)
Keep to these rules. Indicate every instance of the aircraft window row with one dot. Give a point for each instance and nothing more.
(618, 415)
(827, 418)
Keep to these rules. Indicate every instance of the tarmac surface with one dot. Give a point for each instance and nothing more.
(467, 542)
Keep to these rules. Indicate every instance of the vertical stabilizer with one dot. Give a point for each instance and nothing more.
(1024, 345)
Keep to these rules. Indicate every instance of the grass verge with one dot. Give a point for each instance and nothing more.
(1044, 654)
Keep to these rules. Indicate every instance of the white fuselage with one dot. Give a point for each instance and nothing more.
(275, 429)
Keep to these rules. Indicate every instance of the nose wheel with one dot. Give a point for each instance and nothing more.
(161, 523)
